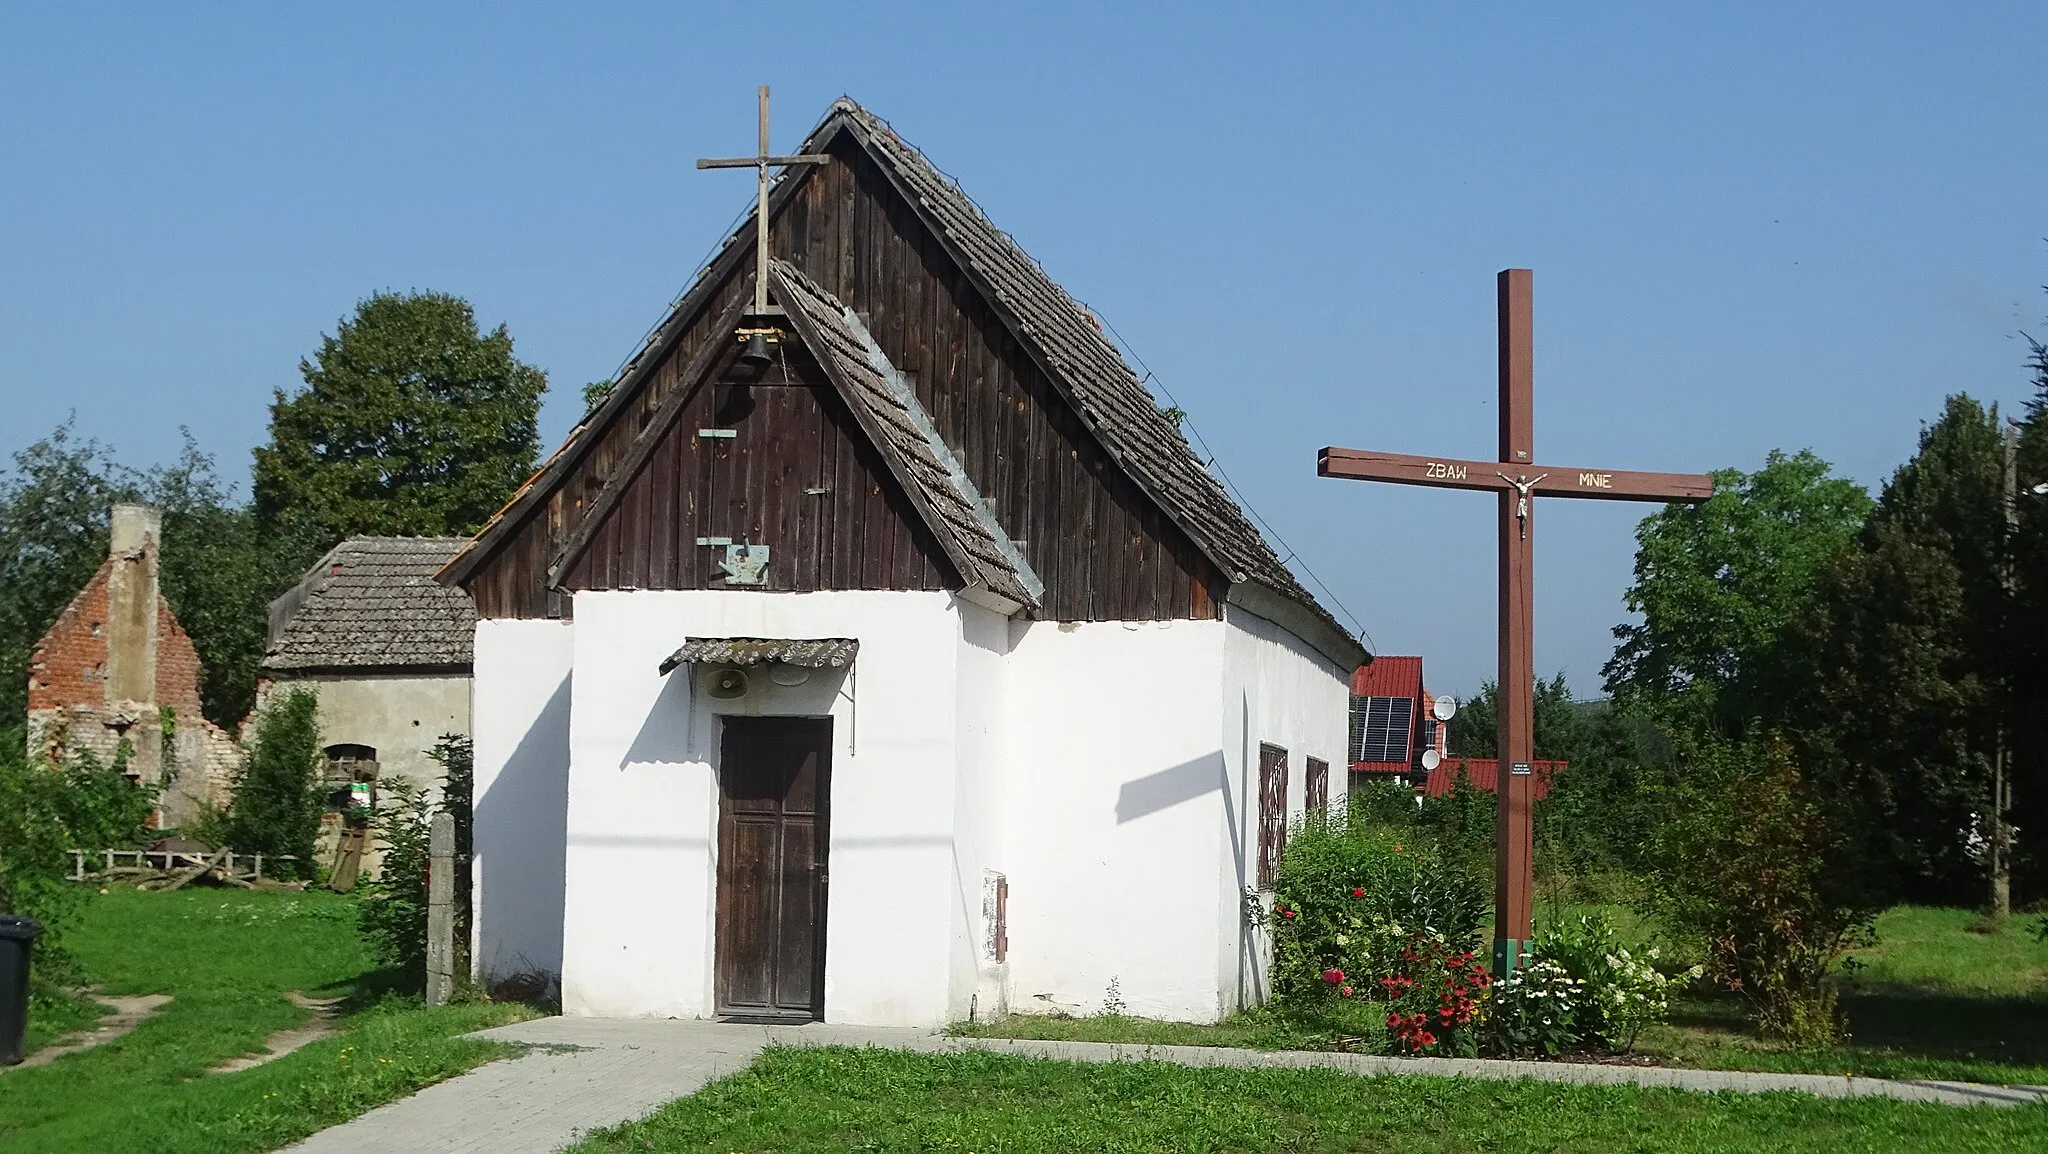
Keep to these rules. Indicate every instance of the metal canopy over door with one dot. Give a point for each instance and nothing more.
(774, 780)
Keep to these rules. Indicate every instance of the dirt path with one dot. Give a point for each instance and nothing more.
(317, 1026)
(129, 1012)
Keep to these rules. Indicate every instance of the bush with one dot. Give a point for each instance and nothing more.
(1623, 991)
(1751, 867)
(393, 916)
(46, 813)
(1351, 898)
(277, 804)
(1536, 1012)
(1434, 999)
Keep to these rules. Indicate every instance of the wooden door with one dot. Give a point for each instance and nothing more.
(774, 779)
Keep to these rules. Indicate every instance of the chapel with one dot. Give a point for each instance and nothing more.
(878, 651)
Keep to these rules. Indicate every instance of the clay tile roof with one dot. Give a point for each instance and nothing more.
(1388, 677)
(811, 653)
(373, 603)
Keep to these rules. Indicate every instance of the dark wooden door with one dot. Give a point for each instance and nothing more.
(774, 778)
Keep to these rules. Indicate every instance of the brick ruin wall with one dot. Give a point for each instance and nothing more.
(69, 707)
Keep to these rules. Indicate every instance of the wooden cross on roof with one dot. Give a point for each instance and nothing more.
(1515, 478)
(761, 162)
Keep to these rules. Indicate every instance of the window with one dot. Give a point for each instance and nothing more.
(1380, 728)
(1429, 732)
(1272, 811)
(1318, 783)
(351, 777)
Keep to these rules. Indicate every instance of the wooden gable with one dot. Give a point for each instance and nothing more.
(1080, 474)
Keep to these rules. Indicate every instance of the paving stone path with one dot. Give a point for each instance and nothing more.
(624, 1068)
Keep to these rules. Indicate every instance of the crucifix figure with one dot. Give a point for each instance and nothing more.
(761, 162)
(1515, 479)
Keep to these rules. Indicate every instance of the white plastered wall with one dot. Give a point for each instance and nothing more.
(643, 800)
(1277, 690)
(978, 984)
(1114, 816)
(521, 734)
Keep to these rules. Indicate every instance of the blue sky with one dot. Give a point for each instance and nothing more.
(1752, 226)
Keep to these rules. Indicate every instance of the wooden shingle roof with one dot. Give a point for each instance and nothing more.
(372, 604)
(1055, 331)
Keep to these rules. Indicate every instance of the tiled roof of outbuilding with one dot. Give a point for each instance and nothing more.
(373, 603)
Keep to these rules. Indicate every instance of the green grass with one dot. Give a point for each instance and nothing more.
(1931, 999)
(227, 959)
(794, 1101)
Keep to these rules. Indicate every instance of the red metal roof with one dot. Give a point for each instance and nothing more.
(1389, 677)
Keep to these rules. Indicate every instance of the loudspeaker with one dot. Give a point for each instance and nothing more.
(725, 684)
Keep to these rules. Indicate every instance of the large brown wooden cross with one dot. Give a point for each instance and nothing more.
(1516, 478)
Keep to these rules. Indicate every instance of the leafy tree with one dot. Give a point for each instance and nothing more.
(1562, 725)
(1717, 581)
(1894, 671)
(53, 535)
(277, 804)
(218, 574)
(411, 422)
(2028, 637)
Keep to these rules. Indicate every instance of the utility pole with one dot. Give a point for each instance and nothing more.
(2001, 787)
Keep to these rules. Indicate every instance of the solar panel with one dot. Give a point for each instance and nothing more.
(1380, 728)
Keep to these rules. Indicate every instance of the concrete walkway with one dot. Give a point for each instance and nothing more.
(624, 1068)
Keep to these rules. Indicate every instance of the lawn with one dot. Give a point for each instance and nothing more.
(227, 959)
(1933, 998)
(793, 1101)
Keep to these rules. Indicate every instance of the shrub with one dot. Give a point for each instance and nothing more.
(1433, 999)
(1535, 1012)
(1350, 898)
(393, 918)
(277, 804)
(393, 915)
(99, 807)
(1624, 989)
(1750, 866)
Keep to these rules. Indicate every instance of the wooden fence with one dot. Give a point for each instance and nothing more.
(245, 867)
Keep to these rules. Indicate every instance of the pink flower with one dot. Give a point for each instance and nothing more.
(1346, 991)
(1333, 976)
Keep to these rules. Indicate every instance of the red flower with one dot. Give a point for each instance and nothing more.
(1397, 849)
(1358, 893)
(1333, 976)
(1346, 991)
(1393, 1021)
(1426, 1038)
(1286, 913)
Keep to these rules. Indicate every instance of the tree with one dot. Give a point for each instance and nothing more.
(1717, 581)
(411, 422)
(1561, 724)
(218, 574)
(277, 804)
(1894, 671)
(53, 535)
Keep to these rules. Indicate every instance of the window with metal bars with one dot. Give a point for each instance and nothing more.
(1272, 812)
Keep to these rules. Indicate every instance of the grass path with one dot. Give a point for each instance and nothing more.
(800, 1100)
(229, 960)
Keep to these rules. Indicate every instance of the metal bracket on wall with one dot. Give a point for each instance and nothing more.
(719, 434)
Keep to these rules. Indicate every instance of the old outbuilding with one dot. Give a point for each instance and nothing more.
(885, 655)
(387, 650)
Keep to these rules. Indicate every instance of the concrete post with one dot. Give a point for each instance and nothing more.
(441, 909)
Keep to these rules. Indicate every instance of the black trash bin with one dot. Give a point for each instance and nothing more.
(17, 936)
